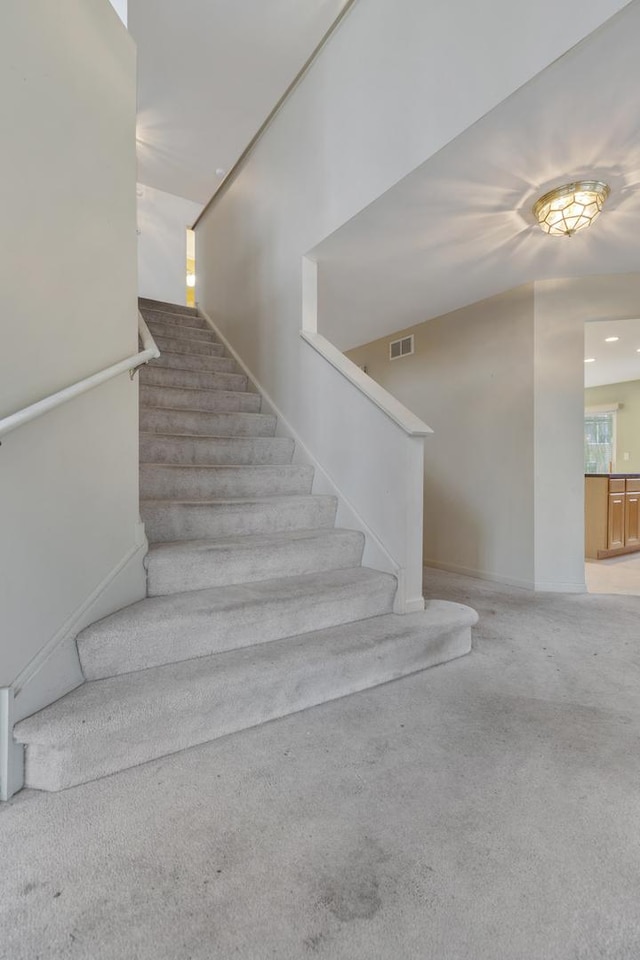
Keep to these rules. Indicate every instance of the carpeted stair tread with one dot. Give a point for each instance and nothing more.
(203, 423)
(153, 375)
(197, 564)
(179, 319)
(180, 331)
(174, 344)
(197, 364)
(145, 303)
(198, 623)
(195, 481)
(190, 398)
(109, 725)
(171, 519)
(185, 449)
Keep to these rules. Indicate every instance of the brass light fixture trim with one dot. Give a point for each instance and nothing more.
(565, 210)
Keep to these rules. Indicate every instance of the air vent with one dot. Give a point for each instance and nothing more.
(401, 348)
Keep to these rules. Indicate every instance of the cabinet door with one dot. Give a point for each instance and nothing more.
(616, 520)
(632, 520)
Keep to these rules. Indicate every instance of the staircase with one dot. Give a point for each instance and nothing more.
(257, 605)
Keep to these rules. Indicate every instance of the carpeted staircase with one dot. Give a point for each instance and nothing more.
(257, 605)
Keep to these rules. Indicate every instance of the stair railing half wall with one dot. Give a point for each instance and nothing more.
(149, 352)
(379, 465)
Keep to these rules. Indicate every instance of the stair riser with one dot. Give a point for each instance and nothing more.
(144, 304)
(166, 521)
(192, 716)
(202, 634)
(156, 420)
(179, 331)
(221, 567)
(190, 347)
(222, 450)
(211, 483)
(165, 377)
(182, 361)
(179, 319)
(209, 401)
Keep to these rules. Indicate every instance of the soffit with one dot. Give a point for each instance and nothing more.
(459, 228)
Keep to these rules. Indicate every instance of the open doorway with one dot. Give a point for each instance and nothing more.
(612, 456)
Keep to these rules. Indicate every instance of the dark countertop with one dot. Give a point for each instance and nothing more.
(615, 476)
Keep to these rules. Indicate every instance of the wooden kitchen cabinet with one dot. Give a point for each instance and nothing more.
(612, 516)
(615, 527)
(632, 519)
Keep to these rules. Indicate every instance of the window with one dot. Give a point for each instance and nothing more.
(599, 441)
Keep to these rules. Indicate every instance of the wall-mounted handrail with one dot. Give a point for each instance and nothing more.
(149, 352)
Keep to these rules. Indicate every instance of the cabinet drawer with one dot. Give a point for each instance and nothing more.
(633, 485)
(616, 486)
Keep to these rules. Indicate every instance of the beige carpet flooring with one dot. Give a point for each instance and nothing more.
(488, 809)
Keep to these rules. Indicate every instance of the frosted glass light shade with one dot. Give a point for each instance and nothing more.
(567, 209)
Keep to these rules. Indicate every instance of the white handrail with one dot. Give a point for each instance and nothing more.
(149, 352)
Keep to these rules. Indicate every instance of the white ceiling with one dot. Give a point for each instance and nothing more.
(616, 361)
(459, 228)
(209, 73)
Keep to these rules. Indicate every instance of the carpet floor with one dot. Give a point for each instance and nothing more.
(488, 809)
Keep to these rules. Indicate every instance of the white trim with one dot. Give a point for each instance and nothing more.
(560, 586)
(479, 574)
(72, 625)
(11, 753)
(534, 586)
(20, 417)
(413, 426)
(603, 408)
(55, 670)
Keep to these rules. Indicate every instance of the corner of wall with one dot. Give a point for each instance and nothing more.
(55, 670)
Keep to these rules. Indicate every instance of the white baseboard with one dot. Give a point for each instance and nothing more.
(559, 586)
(55, 670)
(536, 586)
(375, 554)
(479, 574)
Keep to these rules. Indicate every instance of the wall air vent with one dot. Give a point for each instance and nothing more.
(401, 348)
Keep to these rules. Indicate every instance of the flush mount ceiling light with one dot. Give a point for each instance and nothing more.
(567, 209)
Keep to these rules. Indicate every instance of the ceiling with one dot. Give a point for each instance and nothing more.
(459, 228)
(613, 361)
(209, 73)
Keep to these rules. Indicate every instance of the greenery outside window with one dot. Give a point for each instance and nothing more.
(600, 440)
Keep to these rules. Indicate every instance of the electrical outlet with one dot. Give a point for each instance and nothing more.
(626, 455)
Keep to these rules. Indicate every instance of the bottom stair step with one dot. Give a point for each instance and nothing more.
(109, 725)
(199, 623)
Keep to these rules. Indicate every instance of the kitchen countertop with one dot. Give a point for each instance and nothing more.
(615, 476)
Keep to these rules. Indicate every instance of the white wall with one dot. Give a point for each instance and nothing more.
(395, 83)
(120, 6)
(69, 480)
(162, 223)
(471, 379)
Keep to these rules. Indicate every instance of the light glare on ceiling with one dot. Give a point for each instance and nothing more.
(565, 210)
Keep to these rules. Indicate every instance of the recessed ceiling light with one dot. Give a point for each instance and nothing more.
(611, 339)
(593, 359)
